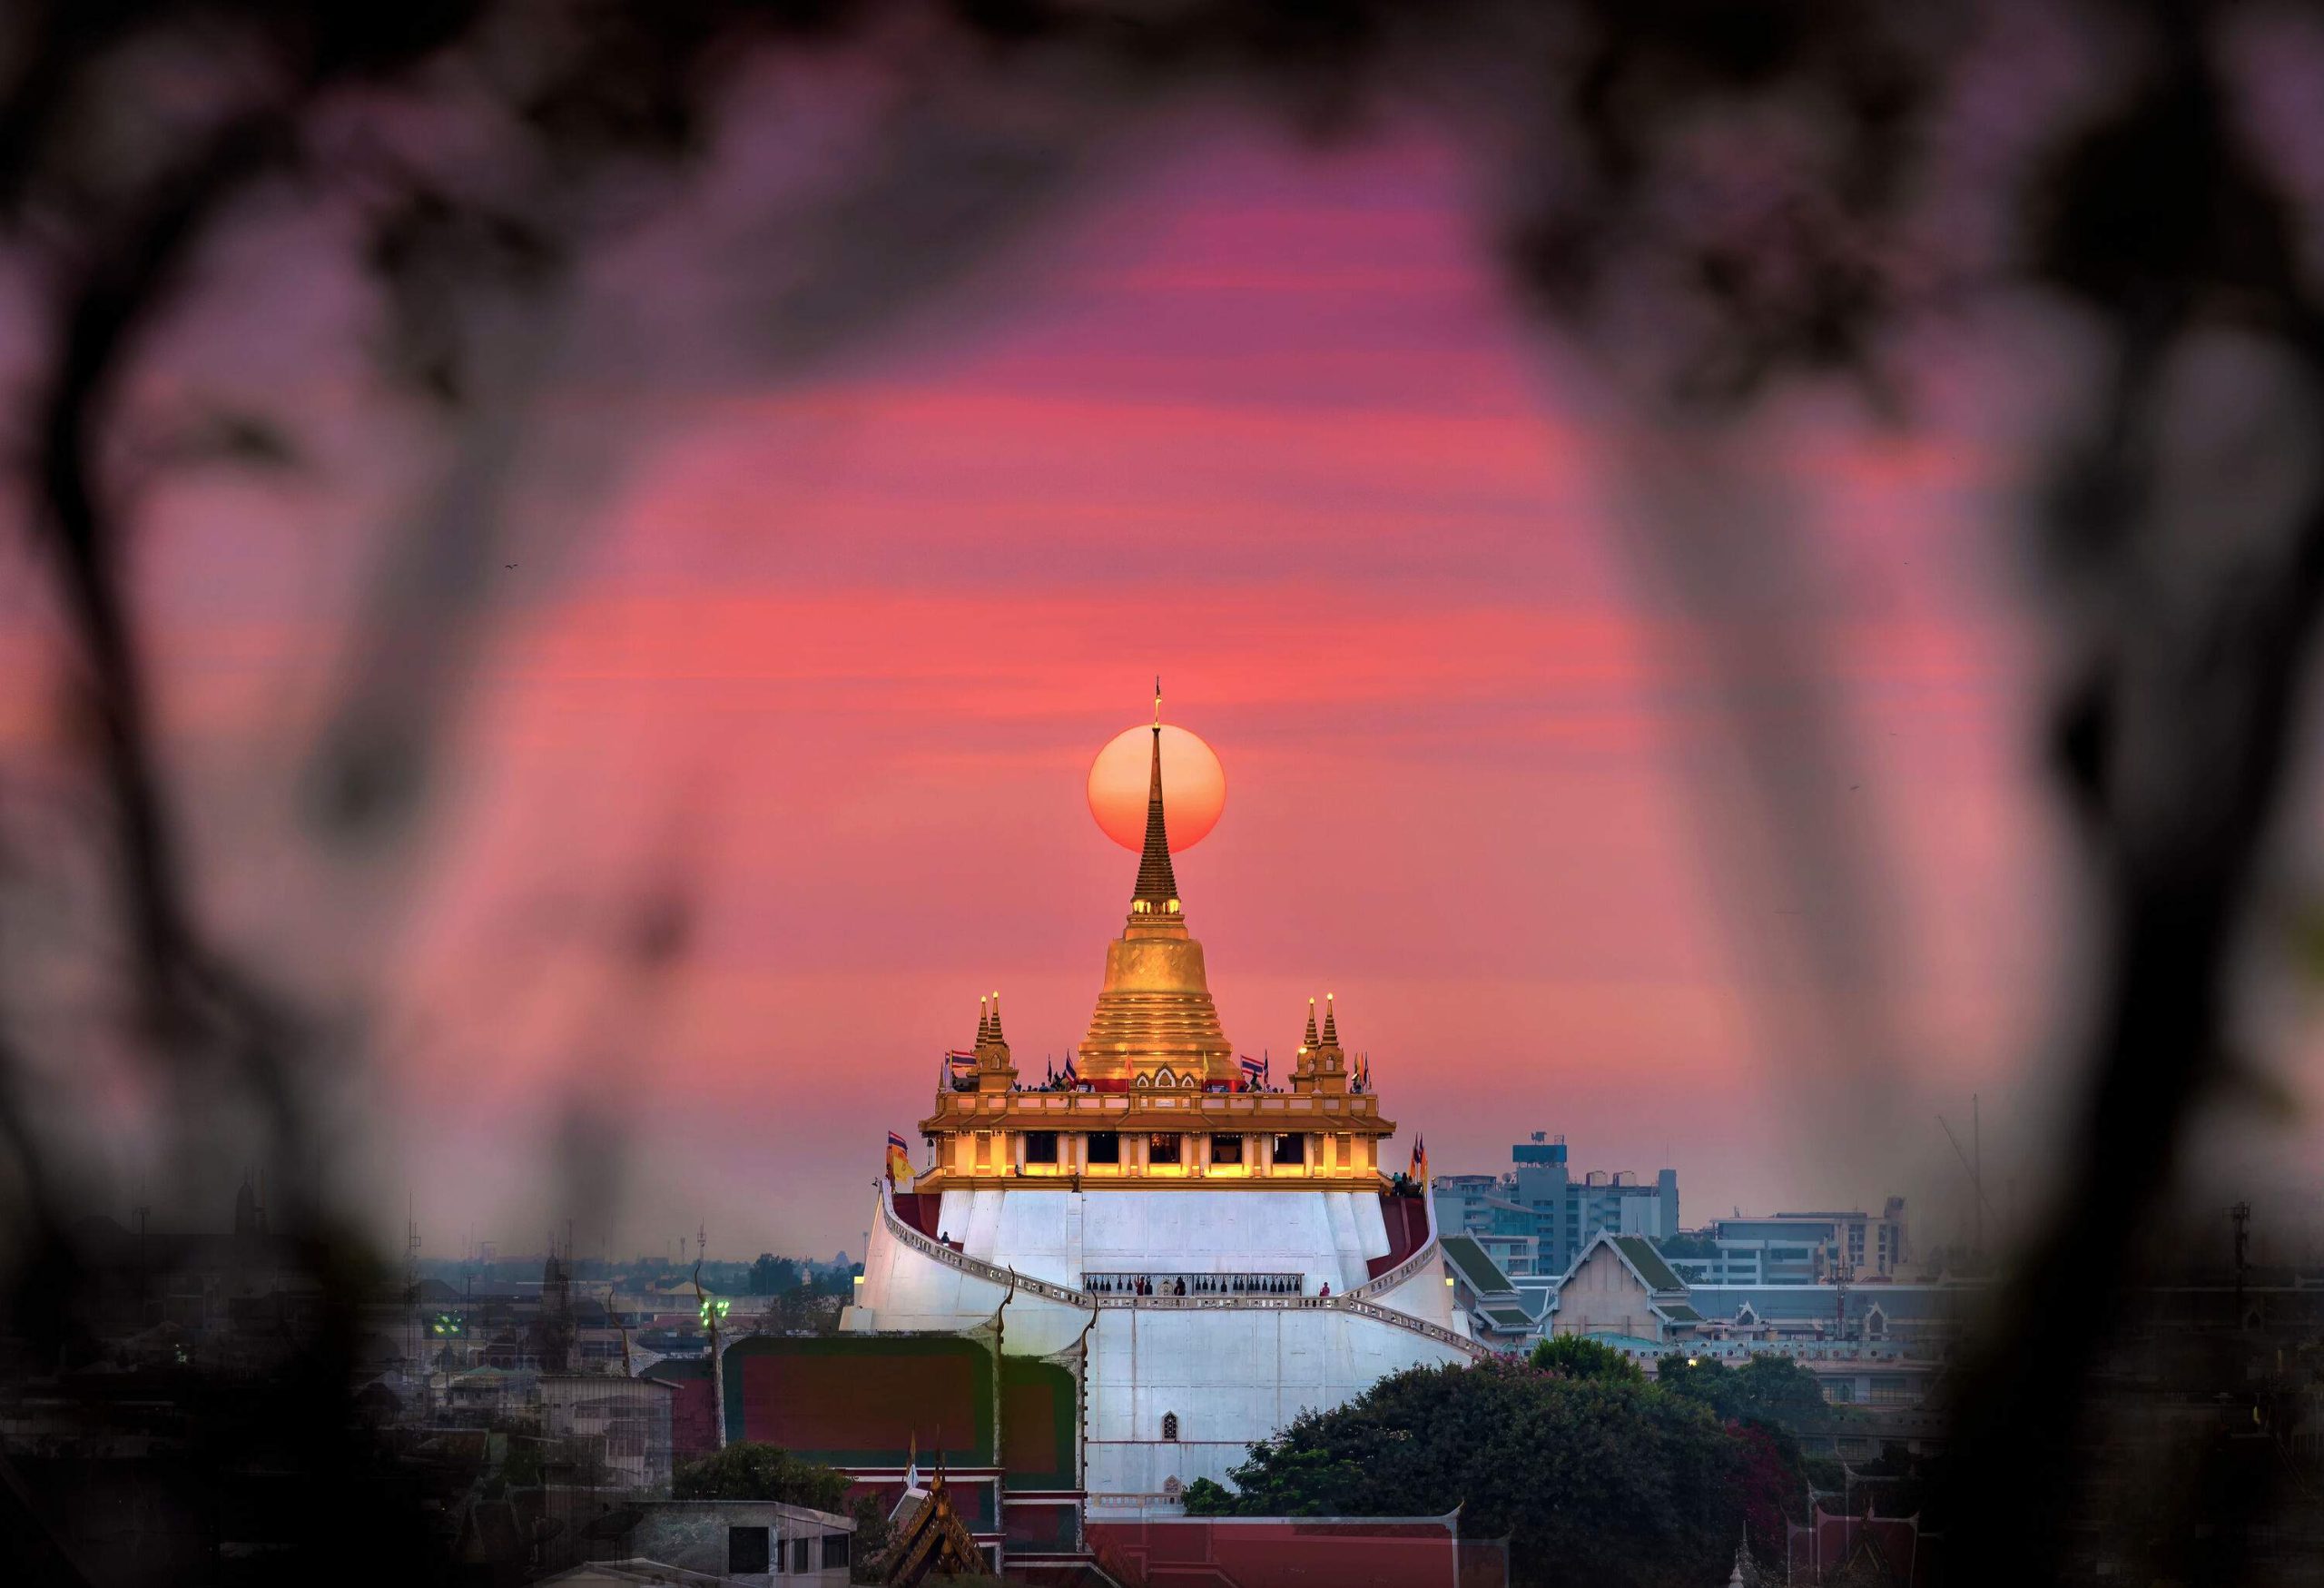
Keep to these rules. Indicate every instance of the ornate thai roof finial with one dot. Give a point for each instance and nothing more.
(984, 1024)
(1157, 884)
(1310, 1040)
(1331, 1022)
(997, 1037)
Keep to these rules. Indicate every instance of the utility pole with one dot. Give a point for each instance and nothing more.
(1978, 1169)
(2240, 1216)
(139, 1216)
(711, 1313)
(411, 1295)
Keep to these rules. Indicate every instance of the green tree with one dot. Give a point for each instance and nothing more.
(1774, 1390)
(1604, 1480)
(1578, 1357)
(754, 1471)
(771, 1276)
(1203, 1497)
(872, 1534)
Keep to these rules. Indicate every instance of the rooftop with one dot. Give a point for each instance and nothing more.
(1649, 1263)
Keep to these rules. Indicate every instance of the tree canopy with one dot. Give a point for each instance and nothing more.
(1577, 1356)
(1687, 1245)
(754, 1471)
(771, 1276)
(1769, 1389)
(1603, 1480)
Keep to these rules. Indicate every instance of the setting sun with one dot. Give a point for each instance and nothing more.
(1194, 786)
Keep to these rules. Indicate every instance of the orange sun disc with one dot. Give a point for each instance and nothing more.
(1194, 786)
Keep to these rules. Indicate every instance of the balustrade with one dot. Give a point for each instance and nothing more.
(1135, 1283)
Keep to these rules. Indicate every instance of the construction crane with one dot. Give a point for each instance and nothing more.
(1974, 1165)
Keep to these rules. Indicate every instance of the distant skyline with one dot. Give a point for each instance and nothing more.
(838, 654)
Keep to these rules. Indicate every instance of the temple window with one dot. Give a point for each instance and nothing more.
(1169, 1426)
(1227, 1149)
(1291, 1149)
(1162, 1149)
(1141, 1080)
(1040, 1146)
(1105, 1147)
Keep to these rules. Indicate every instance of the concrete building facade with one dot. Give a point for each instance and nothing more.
(1536, 1217)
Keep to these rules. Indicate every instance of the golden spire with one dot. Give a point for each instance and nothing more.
(984, 1024)
(1310, 1042)
(996, 1016)
(1157, 884)
(1155, 1012)
(1330, 1023)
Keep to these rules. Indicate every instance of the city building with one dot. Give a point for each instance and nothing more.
(1537, 1218)
(1096, 1291)
(1797, 1248)
(749, 1542)
(1500, 1314)
(1620, 1291)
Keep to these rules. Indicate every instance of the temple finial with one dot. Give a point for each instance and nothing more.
(1331, 1022)
(1311, 1041)
(996, 1016)
(1158, 883)
(984, 1024)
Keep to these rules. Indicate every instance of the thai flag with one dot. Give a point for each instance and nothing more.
(1252, 1071)
(1071, 1075)
(897, 1142)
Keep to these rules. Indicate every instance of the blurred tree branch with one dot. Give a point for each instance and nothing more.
(1717, 201)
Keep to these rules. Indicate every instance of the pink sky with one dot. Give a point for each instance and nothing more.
(840, 652)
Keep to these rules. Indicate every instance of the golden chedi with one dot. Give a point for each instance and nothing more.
(1154, 1023)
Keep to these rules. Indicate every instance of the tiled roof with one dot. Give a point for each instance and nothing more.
(1483, 1274)
(1508, 1317)
(1680, 1314)
(1649, 1263)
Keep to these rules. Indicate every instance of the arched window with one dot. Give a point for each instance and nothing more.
(1164, 1078)
(1875, 1324)
(1141, 1080)
(1170, 1425)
